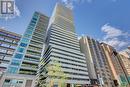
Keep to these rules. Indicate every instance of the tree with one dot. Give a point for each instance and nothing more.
(54, 71)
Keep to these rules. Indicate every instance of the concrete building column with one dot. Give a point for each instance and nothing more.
(72, 85)
(33, 83)
(2, 81)
(24, 83)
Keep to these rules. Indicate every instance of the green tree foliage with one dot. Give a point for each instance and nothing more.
(55, 73)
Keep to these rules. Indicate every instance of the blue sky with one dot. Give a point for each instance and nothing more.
(104, 20)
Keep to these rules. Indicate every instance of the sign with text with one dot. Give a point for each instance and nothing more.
(7, 8)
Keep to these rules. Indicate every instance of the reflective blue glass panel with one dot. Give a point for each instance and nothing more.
(25, 40)
(18, 56)
(12, 69)
(29, 32)
(15, 62)
(23, 44)
(21, 50)
(27, 35)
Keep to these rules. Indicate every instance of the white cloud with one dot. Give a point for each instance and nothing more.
(112, 31)
(114, 36)
(70, 3)
(17, 11)
(116, 42)
(79, 37)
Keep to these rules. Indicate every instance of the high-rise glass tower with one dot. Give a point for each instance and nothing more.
(29, 50)
(62, 45)
(24, 64)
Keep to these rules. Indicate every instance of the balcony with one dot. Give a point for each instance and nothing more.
(27, 72)
(31, 59)
(34, 49)
(29, 67)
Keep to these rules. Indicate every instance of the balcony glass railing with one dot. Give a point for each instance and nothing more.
(30, 59)
(29, 66)
(34, 48)
(27, 72)
(37, 45)
(33, 54)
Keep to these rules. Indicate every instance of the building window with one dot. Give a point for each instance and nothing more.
(29, 32)
(25, 40)
(10, 52)
(1, 38)
(7, 57)
(15, 62)
(3, 50)
(20, 81)
(33, 21)
(7, 80)
(12, 70)
(23, 44)
(18, 56)
(2, 56)
(13, 83)
(21, 50)
(5, 45)
(35, 18)
(32, 24)
(30, 29)
(27, 35)
(8, 40)
(13, 47)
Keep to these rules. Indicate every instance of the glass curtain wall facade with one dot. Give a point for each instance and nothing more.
(28, 53)
(23, 67)
(62, 45)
